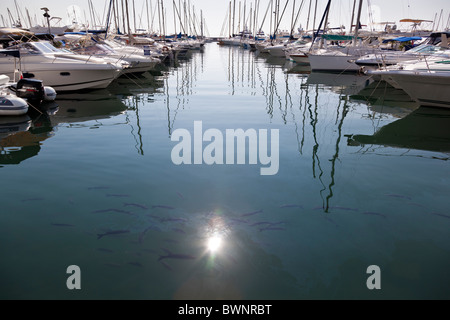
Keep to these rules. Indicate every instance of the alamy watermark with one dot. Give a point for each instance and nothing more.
(374, 280)
(74, 280)
(229, 148)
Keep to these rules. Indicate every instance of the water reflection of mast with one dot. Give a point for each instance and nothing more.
(139, 142)
(314, 121)
(169, 123)
(288, 97)
(300, 143)
(273, 92)
(336, 155)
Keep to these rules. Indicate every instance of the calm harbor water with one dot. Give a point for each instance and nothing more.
(363, 179)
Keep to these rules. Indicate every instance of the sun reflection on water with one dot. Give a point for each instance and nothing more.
(216, 233)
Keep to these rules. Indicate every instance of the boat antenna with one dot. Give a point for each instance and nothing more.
(46, 15)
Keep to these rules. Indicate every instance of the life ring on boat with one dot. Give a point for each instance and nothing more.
(165, 49)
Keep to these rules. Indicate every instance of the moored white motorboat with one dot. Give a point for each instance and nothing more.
(10, 104)
(134, 63)
(436, 44)
(427, 82)
(62, 70)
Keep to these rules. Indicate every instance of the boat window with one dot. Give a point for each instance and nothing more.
(28, 47)
(425, 49)
(44, 47)
(106, 48)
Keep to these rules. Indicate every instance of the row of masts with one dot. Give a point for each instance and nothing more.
(245, 17)
(152, 17)
(124, 17)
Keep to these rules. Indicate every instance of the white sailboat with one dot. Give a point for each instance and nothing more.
(342, 59)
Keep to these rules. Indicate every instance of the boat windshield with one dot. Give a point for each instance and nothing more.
(113, 43)
(106, 48)
(40, 47)
(425, 48)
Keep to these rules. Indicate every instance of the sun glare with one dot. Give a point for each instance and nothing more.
(214, 243)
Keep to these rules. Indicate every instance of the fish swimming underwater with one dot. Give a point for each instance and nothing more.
(110, 233)
(171, 255)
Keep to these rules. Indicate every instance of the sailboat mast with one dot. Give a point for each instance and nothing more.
(239, 19)
(108, 16)
(201, 23)
(358, 20)
(128, 20)
(309, 13)
(292, 21)
(234, 16)
(29, 19)
(163, 20)
(229, 22)
(271, 17)
(159, 16)
(134, 16)
(18, 13)
(316, 34)
(353, 16)
(315, 15)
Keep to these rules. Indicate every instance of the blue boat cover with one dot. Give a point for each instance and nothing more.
(402, 39)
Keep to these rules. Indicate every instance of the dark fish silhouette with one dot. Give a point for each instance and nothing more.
(180, 195)
(271, 228)
(110, 233)
(163, 207)
(149, 251)
(440, 215)
(104, 250)
(118, 195)
(251, 213)
(393, 195)
(62, 225)
(276, 223)
(136, 264)
(143, 233)
(115, 265)
(32, 199)
(238, 220)
(332, 221)
(375, 214)
(114, 210)
(291, 206)
(342, 208)
(135, 205)
(173, 220)
(171, 255)
(260, 223)
(97, 188)
(166, 265)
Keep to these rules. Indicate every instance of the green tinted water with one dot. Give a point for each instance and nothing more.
(363, 180)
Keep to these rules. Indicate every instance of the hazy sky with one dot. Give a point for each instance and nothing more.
(215, 12)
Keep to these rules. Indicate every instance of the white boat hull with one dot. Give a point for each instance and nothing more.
(58, 69)
(261, 47)
(72, 79)
(12, 106)
(333, 63)
(277, 51)
(300, 58)
(427, 88)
